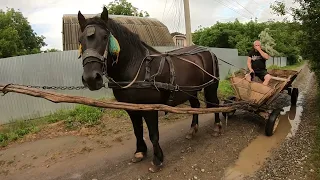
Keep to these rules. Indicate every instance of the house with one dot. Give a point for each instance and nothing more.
(179, 39)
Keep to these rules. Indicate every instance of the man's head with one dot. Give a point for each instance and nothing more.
(256, 44)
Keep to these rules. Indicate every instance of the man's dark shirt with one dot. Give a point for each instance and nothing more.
(258, 63)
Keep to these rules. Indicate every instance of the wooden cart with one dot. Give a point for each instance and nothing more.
(259, 96)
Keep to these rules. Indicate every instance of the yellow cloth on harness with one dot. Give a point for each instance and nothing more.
(80, 50)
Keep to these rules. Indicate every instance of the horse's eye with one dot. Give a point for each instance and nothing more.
(106, 37)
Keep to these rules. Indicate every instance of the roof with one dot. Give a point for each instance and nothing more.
(151, 31)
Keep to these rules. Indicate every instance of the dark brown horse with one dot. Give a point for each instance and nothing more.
(142, 75)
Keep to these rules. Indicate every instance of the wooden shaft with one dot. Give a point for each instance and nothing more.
(63, 98)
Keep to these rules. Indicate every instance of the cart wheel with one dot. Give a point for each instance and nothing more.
(294, 96)
(232, 98)
(272, 122)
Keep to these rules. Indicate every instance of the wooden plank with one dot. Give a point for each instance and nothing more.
(278, 78)
(251, 91)
(279, 89)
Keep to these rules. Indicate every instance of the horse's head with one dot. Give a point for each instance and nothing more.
(94, 48)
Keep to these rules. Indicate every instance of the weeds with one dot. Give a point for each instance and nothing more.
(80, 116)
(83, 116)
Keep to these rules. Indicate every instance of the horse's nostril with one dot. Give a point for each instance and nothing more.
(98, 77)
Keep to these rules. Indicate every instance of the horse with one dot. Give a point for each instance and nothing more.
(138, 73)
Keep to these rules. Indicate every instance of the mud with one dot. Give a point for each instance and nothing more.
(252, 157)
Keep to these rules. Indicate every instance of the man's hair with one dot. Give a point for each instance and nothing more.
(256, 41)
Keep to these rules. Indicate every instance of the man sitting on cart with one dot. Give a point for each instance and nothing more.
(257, 63)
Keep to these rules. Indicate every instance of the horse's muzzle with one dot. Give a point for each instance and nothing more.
(92, 80)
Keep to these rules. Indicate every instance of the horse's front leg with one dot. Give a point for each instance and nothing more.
(151, 118)
(141, 147)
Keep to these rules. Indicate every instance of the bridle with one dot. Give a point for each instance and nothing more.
(102, 59)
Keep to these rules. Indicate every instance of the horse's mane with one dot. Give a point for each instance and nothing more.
(120, 32)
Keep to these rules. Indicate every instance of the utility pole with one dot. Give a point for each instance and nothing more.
(187, 21)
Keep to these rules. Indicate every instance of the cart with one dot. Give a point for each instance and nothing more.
(258, 97)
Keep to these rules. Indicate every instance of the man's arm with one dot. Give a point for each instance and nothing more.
(263, 54)
(249, 64)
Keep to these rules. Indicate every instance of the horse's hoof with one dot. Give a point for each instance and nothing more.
(216, 134)
(155, 168)
(138, 157)
(217, 130)
(192, 132)
(189, 136)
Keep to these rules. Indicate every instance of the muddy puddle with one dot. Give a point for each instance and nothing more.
(252, 157)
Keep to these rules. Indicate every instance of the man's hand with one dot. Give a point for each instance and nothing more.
(258, 48)
(263, 54)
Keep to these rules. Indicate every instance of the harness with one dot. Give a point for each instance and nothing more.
(149, 79)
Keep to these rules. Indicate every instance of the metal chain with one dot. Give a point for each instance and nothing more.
(54, 87)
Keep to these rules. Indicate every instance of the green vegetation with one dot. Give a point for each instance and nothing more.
(306, 14)
(81, 115)
(289, 67)
(278, 38)
(123, 7)
(16, 35)
(225, 89)
(117, 113)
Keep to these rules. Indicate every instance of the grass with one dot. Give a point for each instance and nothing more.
(81, 115)
(289, 67)
(225, 89)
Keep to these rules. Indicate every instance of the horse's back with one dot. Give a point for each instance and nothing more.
(200, 60)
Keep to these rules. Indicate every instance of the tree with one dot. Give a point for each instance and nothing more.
(51, 50)
(16, 35)
(308, 15)
(283, 37)
(122, 7)
(268, 43)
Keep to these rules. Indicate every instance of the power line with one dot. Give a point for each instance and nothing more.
(221, 2)
(165, 5)
(244, 8)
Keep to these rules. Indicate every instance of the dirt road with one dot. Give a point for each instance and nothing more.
(242, 151)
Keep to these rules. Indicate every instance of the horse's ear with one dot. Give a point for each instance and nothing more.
(82, 21)
(104, 14)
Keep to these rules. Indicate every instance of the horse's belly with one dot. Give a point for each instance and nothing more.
(139, 96)
(149, 96)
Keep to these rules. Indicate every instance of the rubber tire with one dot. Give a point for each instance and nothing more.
(271, 122)
(294, 96)
(232, 98)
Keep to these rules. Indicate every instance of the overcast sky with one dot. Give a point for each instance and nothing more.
(45, 16)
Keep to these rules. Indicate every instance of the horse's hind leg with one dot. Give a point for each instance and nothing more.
(211, 95)
(141, 146)
(151, 119)
(194, 102)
